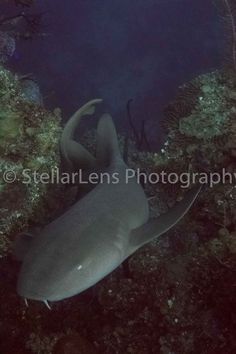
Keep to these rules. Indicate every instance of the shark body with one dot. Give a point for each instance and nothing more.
(99, 231)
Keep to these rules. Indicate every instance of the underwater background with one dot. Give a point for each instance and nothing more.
(121, 50)
(166, 71)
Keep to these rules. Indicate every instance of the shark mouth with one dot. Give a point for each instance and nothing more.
(44, 301)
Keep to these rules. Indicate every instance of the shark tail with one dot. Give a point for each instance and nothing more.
(73, 152)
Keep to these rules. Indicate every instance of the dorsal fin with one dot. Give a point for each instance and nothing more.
(107, 142)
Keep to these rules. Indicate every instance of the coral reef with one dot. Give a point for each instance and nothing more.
(7, 46)
(31, 90)
(29, 137)
(19, 25)
(177, 294)
(204, 141)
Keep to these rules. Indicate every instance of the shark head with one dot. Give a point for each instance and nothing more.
(58, 265)
(57, 284)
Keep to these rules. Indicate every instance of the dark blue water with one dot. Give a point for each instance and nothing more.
(121, 49)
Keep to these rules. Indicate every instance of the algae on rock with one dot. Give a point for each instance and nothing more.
(211, 114)
(29, 136)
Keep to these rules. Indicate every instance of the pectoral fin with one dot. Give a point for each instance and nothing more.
(21, 245)
(156, 227)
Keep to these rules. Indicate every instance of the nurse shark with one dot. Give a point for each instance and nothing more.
(98, 232)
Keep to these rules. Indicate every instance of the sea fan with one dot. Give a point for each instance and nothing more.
(227, 9)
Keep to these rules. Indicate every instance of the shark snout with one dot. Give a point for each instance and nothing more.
(32, 291)
(29, 295)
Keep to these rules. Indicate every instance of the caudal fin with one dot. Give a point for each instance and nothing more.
(70, 151)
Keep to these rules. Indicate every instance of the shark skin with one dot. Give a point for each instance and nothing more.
(98, 232)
